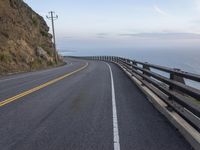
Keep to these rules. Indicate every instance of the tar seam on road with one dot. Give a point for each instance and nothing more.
(114, 108)
(16, 97)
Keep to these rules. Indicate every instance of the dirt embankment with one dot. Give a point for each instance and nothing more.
(25, 43)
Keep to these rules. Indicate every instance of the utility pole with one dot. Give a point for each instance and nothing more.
(53, 17)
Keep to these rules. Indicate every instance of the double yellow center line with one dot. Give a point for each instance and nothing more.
(16, 97)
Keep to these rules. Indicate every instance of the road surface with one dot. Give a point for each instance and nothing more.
(84, 105)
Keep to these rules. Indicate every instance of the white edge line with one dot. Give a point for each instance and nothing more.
(116, 142)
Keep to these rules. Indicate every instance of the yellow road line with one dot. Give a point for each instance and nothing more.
(16, 97)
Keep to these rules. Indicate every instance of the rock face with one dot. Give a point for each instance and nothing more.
(25, 43)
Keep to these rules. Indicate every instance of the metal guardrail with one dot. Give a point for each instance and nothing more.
(179, 97)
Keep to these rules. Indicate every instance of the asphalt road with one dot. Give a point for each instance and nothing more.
(84, 105)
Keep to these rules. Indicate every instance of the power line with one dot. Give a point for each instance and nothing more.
(53, 17)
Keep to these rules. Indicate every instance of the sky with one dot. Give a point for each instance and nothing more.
(123, 24)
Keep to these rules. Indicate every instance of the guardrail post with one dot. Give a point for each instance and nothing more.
(116, 59)
(177, 78)
(126, 60)
(145, 66)
(134, 63)
(131, 63)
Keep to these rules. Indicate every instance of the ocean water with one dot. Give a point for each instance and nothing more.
(186, 60)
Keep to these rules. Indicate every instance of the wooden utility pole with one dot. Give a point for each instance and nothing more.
(53, 17)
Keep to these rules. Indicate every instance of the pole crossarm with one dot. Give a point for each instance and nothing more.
(52, 15)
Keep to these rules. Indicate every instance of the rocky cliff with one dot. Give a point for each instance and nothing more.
(25, 43)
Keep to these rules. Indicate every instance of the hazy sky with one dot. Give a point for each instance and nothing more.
(99, 24)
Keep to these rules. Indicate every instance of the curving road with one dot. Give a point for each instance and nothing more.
(84, 105)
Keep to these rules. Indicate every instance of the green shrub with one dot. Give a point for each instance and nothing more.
(34, 20)
(44, 33)
(5, 57)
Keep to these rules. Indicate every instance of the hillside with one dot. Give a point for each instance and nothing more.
(25, 43)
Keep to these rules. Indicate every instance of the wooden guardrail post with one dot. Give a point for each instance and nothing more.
(113, 59)
(145, 66)
(134, 63)
(129, 62)
(131, 66)
(117, 59)
(126, 60)
(177, 78)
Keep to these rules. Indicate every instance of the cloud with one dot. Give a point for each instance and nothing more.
(163, 35)
(160, 11)
(102, 35)
(67, 37)
(67, 51)
(197, 4)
